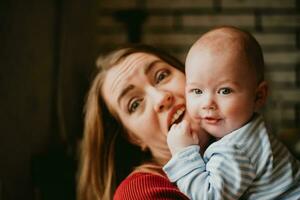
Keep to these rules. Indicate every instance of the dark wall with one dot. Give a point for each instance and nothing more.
(46, 55)
(174, 25)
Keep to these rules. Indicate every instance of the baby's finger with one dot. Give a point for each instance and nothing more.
(185, 126)
(195, 137)
(173, 126)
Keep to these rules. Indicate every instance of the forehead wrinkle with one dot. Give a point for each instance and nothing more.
(126, 68)
(118, 77)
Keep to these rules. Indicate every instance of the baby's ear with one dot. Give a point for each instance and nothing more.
(261, 95)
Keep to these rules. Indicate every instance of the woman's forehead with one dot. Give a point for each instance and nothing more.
(118, 76)
(128, 67)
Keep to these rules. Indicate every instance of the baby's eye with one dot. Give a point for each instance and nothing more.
(133, 105)
(196, 91)
(225, 91)
(161, 75)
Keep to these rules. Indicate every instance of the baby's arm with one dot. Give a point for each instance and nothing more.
(225, 174)
(181, 136)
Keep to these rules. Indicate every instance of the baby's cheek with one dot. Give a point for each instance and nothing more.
(192, 111)
(191, 105)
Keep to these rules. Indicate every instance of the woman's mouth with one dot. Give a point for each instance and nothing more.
(176, 116)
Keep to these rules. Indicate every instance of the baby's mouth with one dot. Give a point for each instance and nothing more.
(211, 120)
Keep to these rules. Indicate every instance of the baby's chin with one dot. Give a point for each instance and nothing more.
(217, 134)
(195, 124)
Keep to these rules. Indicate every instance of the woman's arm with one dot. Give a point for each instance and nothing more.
(148, 186)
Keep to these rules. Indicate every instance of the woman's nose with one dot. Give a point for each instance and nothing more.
(162, 100)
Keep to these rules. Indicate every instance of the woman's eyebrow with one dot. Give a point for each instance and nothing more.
(151, 65)
(124, 92)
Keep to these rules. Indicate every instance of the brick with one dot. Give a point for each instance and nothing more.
(159, 21)
(215, 20)
(281, 76)
(276, 116)
(171, 39)
(275, 39)
(290, 95)
(117, 4)
(281, 21)
(280, 114)
(181, 4)
(109, 22)
(288, 58)
(108, 39)
(258, 4)
(285, 39)
(278, 108)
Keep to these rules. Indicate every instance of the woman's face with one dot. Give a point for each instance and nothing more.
(147, 94)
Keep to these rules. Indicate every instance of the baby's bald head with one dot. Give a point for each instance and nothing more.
(235, 41)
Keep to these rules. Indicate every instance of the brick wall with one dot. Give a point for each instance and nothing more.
(175, 24)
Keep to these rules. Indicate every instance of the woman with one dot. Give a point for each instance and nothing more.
(136, 96)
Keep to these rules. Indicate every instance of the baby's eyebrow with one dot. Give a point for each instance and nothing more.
(124, 92)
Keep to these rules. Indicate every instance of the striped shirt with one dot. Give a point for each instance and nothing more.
(248, 163)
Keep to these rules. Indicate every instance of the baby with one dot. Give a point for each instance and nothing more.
(225, 88)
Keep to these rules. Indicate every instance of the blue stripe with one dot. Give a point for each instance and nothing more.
(248, 163)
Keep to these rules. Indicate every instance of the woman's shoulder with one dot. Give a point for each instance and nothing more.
(146, 185)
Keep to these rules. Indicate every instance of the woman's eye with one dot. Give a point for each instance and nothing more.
(225, 91)
(133, 105)
(161, 76)
(196, 91)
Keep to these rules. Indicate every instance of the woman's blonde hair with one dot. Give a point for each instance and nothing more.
(107, 156)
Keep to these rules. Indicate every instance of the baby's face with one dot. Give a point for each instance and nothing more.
(221, 89)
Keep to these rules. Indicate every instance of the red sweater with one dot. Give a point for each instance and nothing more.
(141, 185)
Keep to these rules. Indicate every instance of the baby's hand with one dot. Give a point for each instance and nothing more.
(180, 136)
